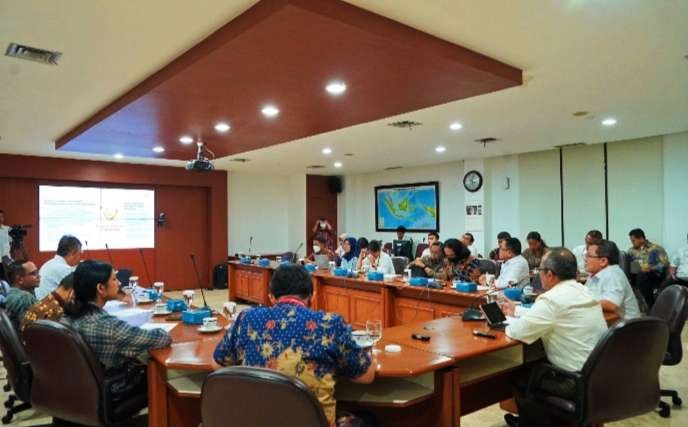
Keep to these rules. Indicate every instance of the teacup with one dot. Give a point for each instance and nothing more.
(210, 323)
(361, 338)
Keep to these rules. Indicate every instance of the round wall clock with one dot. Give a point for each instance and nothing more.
(472, 181)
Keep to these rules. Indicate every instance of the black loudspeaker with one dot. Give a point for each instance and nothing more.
(335, 184)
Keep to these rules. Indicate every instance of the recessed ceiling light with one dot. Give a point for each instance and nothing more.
(119, 156)
(222, 127)
(440, 148)
(186, 139)
(336, 88)
(455, 126)
(609, 122)
(326, 151)
(158, 149)
(270, 111)
(338, 164)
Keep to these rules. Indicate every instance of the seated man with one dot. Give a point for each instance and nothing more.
(501, 239)
(320, 248)
(313, 346)
(678, 270)
(65, 261)
(608, 282)
(433, 237)
(52, 306)
(401, 234)
(377, 259)
(580, 251)
(567, 318)
(467, 239)
(24, 279)
(653, 262)
(514, 271)
(431, 264)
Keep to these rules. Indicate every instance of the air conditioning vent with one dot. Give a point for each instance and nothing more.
(33, 54)
(391, 168)
(485, 141)
(315, 166)
(405, 124)
(240, 160)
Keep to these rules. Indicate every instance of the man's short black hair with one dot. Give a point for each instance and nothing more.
(434, 233)
(67, 282)
(595, 234)
(470, 236)
(503, 235)
(362, 243)
(561, 262)
(374, 246)
(514, 245)
(637, 233)
(437, 243)
(15, 272)
(68, 245)
(291, 279)
(401, 228)
(607, 249)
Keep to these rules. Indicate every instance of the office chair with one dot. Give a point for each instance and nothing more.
(239, 394)
(611, 386)
(71, 384)
(400, 263)
(625, 263)
(487, 266)
(123, 275)
(289, 257)
(420, 248)
(387, 247)
(17, 367)
(672, 307)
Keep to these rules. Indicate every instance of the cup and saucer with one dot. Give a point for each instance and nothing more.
(209, 326)
(362, 339)
(160, 309)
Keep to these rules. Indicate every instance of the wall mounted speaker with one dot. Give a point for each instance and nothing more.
(335, 184)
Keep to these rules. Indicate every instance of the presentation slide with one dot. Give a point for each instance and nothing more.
(121, 218)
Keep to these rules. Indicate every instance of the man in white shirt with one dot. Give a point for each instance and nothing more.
(4, 237)
(514, 270)
(65, 261)
(580, 251)
(433, 237)
(567, 318)
(608, 283)
(377, 259)
(678, 269)
(467, 239)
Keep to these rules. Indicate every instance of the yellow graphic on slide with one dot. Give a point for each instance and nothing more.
(110, 214)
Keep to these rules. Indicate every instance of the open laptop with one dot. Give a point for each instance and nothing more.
(494, 315)
(322, 262)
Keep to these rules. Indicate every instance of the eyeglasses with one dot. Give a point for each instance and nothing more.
(593, 256)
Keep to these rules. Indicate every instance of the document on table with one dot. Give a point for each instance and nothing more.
(164, 326)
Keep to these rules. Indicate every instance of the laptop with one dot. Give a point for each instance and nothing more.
(494, 315)
(322, 262)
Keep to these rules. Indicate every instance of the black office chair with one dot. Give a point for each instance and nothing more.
(672, 306)
(17, 367)
(71, 384)
(611, 386)
(123, 275)
(625, 263)
(400, 263)
(487, 266)
(239, 393)
(420, 248)
(289, 257)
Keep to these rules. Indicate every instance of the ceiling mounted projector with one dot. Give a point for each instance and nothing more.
(201, 163)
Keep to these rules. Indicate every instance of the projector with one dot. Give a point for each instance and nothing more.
(201, 162)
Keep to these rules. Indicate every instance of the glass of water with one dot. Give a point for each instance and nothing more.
(188, 298)
(278, 259)
(374, 329)
(159, 288)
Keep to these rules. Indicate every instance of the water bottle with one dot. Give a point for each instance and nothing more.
(332, 267)
(134, 285)
(407, 274)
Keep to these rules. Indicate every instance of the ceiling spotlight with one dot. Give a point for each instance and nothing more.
(222, 127)
(440, 148)
(455, 126)
(609, 122)
(336, 88)
(326, 151)
(119, 156)
(270, 111)
(338, 164)
(186, 139)
(159, 149)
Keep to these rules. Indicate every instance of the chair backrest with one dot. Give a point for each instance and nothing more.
(240, 394)
(14, 358)
(622, 384)
(672, 307)
(66, 383)
(625, 263)
(487, 266)
(420, 248)
(400, 263)
(123, 275)
(387, 247)
(289, 257)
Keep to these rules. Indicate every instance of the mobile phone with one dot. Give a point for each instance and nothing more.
(421, 337)
(484, 335)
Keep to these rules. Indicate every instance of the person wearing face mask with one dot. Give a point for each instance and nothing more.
(322, 229)
(459, 264)
(432, 264)
(320, 248)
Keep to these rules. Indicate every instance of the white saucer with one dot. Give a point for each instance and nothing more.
(144, 301)
(162, 313)
(204, 330)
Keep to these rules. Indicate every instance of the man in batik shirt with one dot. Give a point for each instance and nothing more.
(653, 262)
(52, 306)
(313, 346)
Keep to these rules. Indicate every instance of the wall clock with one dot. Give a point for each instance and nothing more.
(473, 181)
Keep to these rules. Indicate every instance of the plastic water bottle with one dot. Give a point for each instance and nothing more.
(407, 274)
(332, 267)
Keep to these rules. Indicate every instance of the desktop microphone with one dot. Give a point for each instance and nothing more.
(107, 249)
(198, 277)
(145, 267)
(295, 255)
(472, 313)
(250, 243)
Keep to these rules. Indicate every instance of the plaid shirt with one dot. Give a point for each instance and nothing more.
(650, 255)
(114, 341)
(49, 308)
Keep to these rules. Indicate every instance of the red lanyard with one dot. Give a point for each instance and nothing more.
(291, 300)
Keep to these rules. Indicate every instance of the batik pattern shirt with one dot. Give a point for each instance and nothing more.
(652, 256)
(49, 308)
(463, 272)
(313, 346)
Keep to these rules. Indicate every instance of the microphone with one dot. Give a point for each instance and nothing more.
(107, 249)
(295, 255)
(472, 313)
(198, 277)
(145, 267)
(250, 243)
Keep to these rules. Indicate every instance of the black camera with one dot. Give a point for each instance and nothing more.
(18, 232)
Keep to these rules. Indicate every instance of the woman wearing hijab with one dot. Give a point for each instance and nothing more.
(349, 259)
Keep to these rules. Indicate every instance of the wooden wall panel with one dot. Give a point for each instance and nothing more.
(320, 202)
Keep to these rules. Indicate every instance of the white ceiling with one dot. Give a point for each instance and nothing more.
(623, 59)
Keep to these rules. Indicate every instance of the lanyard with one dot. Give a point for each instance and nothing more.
(291, 300)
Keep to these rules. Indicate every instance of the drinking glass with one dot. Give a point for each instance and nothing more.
(188, 298)
(278, 259)
(159, 288)
(374, 329)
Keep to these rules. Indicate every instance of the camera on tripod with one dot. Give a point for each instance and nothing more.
(18, 232)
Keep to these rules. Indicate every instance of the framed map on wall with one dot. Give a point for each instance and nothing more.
(415, 206)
